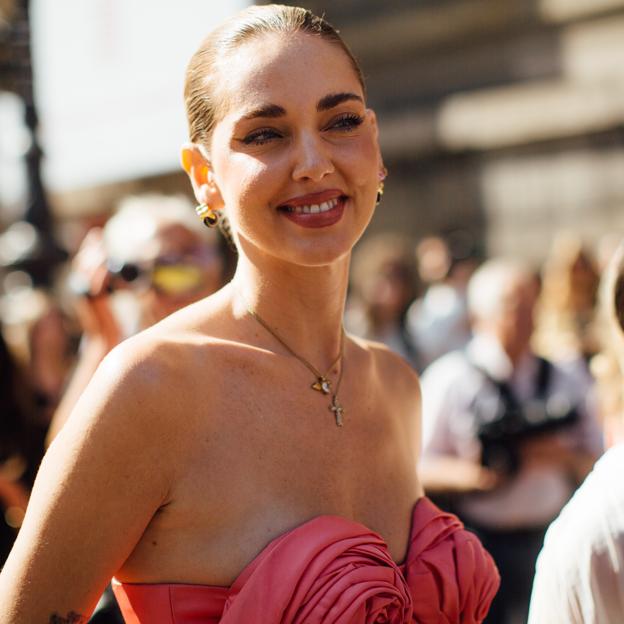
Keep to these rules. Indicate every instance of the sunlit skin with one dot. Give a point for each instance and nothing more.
(263, 162)
(256, 164)
(199, 440)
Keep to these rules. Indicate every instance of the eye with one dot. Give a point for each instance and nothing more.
(261, 136)
(346, 122)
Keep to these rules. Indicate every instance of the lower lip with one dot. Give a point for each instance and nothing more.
(318, 219)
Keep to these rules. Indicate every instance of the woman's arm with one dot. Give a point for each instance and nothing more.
(99, 485)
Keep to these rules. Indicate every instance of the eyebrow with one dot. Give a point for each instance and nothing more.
(269, 110)
(272, 111)
(329, 101)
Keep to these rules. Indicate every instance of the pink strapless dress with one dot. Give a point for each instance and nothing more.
(331, 570)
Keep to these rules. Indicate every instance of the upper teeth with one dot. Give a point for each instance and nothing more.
(314, 208)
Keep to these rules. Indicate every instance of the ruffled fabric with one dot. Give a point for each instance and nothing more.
(332, 570)
(451, 577)
(329, 570)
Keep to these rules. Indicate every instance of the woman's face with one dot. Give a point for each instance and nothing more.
(295, 157)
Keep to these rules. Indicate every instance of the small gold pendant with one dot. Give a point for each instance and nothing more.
(338, 411)
(322, 385)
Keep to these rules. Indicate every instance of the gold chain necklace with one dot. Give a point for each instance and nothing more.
(322, 383)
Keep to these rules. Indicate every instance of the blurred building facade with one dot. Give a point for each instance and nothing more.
(501, 119)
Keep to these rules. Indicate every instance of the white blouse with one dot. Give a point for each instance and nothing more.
(580, 571)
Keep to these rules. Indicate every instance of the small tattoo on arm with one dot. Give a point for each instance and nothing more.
(71, 618)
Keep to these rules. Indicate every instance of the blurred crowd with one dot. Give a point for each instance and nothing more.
(521, 390)
(520, 376)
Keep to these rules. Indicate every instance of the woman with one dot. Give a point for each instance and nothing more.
(207, 467)
(567, 329)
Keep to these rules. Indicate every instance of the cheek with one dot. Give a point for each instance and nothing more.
(362, 157)
(244, 184)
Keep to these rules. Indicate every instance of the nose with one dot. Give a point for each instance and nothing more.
(312, 158)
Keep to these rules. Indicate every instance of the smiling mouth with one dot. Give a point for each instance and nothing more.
(325, 206)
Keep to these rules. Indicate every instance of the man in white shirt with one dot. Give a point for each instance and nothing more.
(580, 571)
(507, 433)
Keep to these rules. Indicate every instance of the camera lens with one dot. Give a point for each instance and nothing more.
(129, 272)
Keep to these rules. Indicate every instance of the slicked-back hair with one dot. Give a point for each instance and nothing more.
(201, 94)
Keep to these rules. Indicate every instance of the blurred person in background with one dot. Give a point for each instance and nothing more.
(21, 446)
(151, 258)
(605, 365)
(507, 434)
(383, 284)
(42, 338)
(52, 354)
(438, 322)
(36, 355)
(565, 314)
(580, 571)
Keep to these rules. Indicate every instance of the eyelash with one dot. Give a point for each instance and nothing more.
(346, 122)
(260, 137)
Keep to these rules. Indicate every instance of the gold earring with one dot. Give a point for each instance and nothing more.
(207, 215)
(380, 192)
(380, 189)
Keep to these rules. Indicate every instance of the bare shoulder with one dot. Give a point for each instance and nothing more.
(391, 374)
(113, 466)
(131, 383)
(144, 381)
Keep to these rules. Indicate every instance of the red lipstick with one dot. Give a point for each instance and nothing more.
(315, 210)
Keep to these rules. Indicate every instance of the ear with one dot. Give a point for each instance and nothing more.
(199, 171)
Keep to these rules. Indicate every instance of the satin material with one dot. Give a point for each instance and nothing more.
(332, 570)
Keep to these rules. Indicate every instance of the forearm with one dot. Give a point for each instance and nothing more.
(445, 474)
(29, 598)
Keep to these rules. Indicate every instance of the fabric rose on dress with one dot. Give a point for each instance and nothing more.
(451, 577)
(329, 570)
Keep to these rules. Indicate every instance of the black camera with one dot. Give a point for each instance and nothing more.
(118, 273)
(503, 422)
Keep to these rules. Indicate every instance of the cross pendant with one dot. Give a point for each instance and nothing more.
(338, 411)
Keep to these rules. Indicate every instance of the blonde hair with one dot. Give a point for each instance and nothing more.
(565, 317)
(202, 74)
(612, 295)
(607, 366)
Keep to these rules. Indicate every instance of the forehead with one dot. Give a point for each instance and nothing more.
(292, 70)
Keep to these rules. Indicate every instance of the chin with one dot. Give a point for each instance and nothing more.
(311, 248)
(317, 253)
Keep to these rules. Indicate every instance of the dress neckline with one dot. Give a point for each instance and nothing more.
(305, 526)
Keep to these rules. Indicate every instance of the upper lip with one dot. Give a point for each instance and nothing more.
(311, 199)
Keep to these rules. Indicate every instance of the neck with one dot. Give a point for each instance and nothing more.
(303, 305)
(515, 350)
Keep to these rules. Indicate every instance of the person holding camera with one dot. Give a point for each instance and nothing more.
(507, 436)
